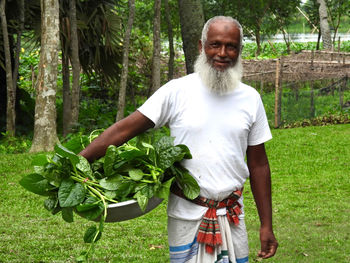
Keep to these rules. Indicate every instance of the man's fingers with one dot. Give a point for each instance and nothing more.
(267, 251)
(263, 250)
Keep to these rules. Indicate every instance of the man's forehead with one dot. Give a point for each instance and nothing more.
(223, 24)
(220, 27)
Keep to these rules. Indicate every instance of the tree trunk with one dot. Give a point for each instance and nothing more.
(258, 44)
(325, 31)
(191, 20)
(45, 134)
(171, 42)
(74, 47)
(124, 76)
(67, 108)
(18, 44)
(318, 40)
(156, 47)
(11, 89)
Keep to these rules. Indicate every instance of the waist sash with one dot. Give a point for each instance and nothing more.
(209, 229)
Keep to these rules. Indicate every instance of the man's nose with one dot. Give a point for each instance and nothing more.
(222, 51)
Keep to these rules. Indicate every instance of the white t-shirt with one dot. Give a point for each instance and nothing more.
(217, 130)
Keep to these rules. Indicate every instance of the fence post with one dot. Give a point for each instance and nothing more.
(339, 49)
(341, 92)
(312, 100)
(278, 93)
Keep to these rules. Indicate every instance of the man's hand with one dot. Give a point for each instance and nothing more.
(268, 242)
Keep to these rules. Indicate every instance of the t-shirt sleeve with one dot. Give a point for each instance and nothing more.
(260, 131)
(158, 107)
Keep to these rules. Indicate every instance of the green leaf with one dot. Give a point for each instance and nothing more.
(57, 209)
(70, 193)
(147, 190)
(67, 214)
(119, 165)
(147, 145)
(164, 143)
(40, 160)
(111, 183)
(188, 184)
(109, 160)
(110, 194)
(142, 200)
(167, 157)
(136, 174)
(84, 166)
(90, 203)
(36, 184)
(125, 188)
(92, 213)
(91, 209)
(129, 152)
(64, 152)
(185, 150)
(92, 235)
(163, 191)
(51, 203)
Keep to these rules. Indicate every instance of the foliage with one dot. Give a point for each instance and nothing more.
(139, 169)
(330, 119)
(10, 144)
(275, 50)
(338, 14)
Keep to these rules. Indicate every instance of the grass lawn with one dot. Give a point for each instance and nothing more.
(311, 197)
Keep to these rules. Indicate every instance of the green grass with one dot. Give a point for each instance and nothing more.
(311, 196)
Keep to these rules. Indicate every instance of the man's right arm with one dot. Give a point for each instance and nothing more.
(117, 134)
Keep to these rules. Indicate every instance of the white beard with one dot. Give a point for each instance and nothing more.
(219, 82)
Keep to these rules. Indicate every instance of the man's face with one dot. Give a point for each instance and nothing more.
(222, 47)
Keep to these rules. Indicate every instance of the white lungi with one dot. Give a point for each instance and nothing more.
(183, 245)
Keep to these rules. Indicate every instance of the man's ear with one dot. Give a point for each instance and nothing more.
(200, 46)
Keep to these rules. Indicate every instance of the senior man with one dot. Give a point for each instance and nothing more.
(222, 121)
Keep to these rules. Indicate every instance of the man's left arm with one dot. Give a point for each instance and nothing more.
(260, 181)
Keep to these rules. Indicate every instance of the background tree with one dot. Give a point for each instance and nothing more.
(124, 75)
(45, 134)
(283, 13)
(11, 89)
(74, 48)
(70, 53)
(310, 7)
(337, 9)
(324, 26)
(170, 40)
(156, 47)
(192, 21)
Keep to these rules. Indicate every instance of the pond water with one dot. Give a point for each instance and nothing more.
(300, 38)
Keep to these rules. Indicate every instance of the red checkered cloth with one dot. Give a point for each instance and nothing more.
(209, 229)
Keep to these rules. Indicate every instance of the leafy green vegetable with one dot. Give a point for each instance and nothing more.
(139, 169)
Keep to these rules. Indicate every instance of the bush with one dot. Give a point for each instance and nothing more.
(330, 119)
(10, 144)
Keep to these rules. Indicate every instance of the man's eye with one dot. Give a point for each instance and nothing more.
(214, 45)
(232, 47)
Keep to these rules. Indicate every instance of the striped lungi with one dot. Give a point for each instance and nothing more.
(183, 245)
